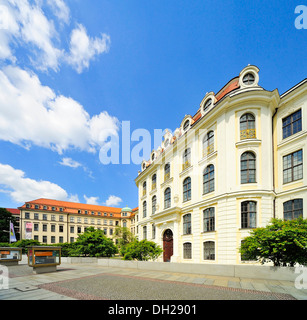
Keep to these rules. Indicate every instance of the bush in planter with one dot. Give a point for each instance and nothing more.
(143, 250)
(282, 242)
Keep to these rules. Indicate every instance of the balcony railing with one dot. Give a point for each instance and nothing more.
(248, 134)
(208, 150)
(166, 176)
(186, 165)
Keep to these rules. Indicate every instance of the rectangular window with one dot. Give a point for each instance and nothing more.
(27, 215)
(209, 250)
(35, 216)
(45, 217)
(248, 214)
(293, 209)
(53, 228)
(44, 239)
(187, 224)
(293, 166)
(292, 124)
(52, 239)
(61, 229)
(187, 250)
(35, 226)
(44, 227)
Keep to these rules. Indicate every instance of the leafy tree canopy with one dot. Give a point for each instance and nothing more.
(5, 218)
(93, 243)
(282, 242)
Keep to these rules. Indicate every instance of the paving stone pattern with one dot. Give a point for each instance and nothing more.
(94, 282)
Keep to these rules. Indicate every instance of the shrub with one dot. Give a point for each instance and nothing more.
(143, 250)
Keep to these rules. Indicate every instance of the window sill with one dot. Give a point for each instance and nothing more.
(247, 142)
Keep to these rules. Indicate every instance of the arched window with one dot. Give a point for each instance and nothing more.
(186, 158)
(144, 188)
(208, 143)
(209, 219)
(187, 224)
(248, 214)
(167, 171)
(209, 250)
(208, 179)
(144, 209)
(247, 126)
(248, 167)
(187, 250)
(187, 189)
(167, 198)
(153, 204)
(154, 182)
(293, 209)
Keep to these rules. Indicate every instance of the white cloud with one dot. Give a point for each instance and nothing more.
(60, 9)
(113, 201)
(22, 189)
(68, 162)
(91, 200)
(83, 48)
(27, 26)
(42, 118)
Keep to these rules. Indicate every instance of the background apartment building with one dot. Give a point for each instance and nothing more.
(52, 221)
(233, 166)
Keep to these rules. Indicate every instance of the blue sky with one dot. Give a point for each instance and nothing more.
(72, 70)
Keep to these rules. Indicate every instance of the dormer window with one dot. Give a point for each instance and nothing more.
(153, 157)
(208, 104)
(249, 79)
(186, 125)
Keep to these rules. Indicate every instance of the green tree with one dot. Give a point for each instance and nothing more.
(93, 243)
(143, 250)
(24, 244)
(123, 236)
(5, 218)
(282, 242)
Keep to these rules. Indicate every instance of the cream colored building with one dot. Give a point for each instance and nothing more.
(52, 221)
(233, 166)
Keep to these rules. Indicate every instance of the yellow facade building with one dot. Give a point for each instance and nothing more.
(233, 166)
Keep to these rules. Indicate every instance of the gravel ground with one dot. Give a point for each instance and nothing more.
(120, 287)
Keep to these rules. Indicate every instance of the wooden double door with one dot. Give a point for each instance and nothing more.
(167, 245)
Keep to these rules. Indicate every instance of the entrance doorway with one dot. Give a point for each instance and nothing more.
(167, 245)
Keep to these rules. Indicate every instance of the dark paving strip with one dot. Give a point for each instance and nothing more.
(108, 286)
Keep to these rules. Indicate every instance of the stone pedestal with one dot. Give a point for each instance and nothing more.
(39, 270)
